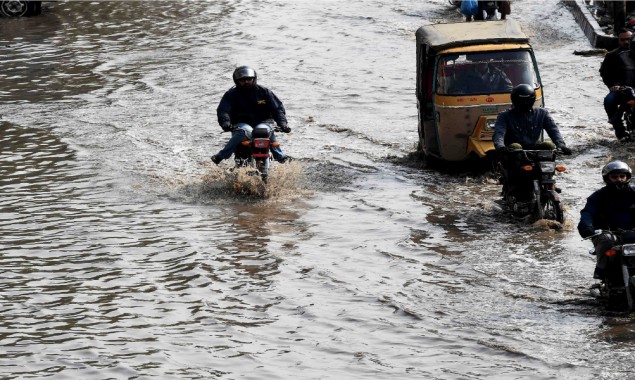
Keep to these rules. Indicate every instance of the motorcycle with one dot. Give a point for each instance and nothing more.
(529, 187)
(254, 152)
(617, 287)
(627, 110)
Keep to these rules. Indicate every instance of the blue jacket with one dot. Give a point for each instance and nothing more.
(525, 128)
(608, 208)
(252, 106)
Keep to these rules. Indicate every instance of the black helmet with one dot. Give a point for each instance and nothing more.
(244, 72)
(615, 167)
(523, 97)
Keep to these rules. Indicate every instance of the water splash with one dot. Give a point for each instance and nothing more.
(285, 182)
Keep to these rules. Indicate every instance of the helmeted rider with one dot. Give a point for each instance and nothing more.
(244, 107)
(521, 127)
(612, 75)
(625, 77)
(610, 208)
(523, 123)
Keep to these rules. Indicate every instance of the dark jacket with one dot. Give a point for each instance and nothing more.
(608, 208)
(626, 69)
(525, 128)
(611, 68)
(252, 106)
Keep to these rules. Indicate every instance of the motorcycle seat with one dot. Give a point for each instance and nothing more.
(261, 132)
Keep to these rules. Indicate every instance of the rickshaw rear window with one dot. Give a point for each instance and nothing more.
(484, 72)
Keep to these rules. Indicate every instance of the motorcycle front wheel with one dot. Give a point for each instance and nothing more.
(552, 210)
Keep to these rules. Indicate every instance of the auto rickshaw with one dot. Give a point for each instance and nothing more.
(457, 107)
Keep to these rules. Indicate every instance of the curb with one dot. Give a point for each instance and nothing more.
(590, 26)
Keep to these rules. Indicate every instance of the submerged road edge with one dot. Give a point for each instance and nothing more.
(590, 26)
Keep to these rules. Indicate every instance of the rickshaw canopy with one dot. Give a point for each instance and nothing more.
(444, 36)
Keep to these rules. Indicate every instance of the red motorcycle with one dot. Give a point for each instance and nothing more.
(254, 151)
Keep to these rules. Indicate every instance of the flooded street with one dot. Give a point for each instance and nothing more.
(126, 254)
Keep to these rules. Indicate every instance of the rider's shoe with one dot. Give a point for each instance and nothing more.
(216, 159)
(616, 118)
(285, 159)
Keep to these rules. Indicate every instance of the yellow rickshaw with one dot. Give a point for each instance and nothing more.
(457, 106)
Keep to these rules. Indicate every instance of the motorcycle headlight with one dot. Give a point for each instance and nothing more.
(489, 124)
(628, 249)
(547, 166)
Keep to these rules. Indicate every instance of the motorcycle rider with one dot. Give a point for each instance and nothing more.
(244, 107)
(610, 208)
(611, 71)
(521, 126)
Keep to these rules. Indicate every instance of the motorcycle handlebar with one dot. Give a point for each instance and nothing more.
(275, 129)
(596, 234)
(617, 233)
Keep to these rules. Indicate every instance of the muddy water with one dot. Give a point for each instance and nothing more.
(125, 254)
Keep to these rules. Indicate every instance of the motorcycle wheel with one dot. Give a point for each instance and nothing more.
(616, 300)
(263, 169)
(18, 8)
(538, 211)
(553, 210)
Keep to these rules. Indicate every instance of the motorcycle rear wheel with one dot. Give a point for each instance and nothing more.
(263, 168)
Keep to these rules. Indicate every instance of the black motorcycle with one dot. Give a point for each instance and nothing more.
(627, 110)
(529, 186)
(617, 287)
(254, 151)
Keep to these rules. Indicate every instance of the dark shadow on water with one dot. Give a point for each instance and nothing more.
(474, 166)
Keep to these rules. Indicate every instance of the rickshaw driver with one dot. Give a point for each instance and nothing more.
(521, 126)
(484, 79)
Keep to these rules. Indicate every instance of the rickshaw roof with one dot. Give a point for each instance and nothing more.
(443, 36)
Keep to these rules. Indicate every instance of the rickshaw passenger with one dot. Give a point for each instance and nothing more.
(483, 78)
(521, 126)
